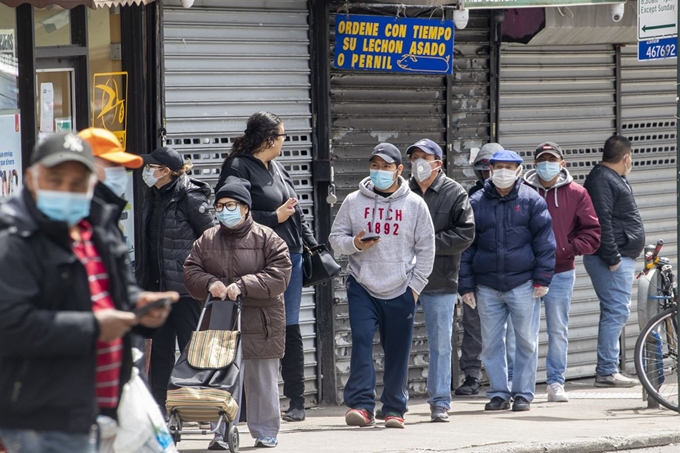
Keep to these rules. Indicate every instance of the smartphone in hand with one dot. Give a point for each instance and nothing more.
(139, 312)
(369, 238)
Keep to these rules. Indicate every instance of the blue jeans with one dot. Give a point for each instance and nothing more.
(29, 441)
(614, 290)
(510, 348)
(293, 295)
(556, 304)
(394, 319)
(495, 307)
(438, 310)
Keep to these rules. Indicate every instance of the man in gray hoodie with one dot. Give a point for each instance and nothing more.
(387, 232)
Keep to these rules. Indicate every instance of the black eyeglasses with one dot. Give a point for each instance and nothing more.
(148, 167)
(284, 135)
(230, 205)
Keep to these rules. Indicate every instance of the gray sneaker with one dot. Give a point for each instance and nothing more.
(615, 380)
(438, 414)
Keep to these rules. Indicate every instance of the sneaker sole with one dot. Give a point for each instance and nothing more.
(439, 420)
(356, 419)
(615, 385)
(394, 424)
(466, 393)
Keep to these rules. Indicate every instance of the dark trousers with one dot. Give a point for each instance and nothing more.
(471, 348)
(293, 368)
(394, 319)
(178, 327)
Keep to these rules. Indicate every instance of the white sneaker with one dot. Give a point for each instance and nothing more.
(556, 393)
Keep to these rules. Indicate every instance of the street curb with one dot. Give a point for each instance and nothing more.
(599, 445)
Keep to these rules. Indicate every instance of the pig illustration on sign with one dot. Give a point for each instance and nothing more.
(418, 63)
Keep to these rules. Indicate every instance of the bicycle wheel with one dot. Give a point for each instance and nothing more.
(656, 358)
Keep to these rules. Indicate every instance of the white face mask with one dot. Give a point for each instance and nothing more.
(116, 180)
(148, 177)
(422, 169)
(504, 178)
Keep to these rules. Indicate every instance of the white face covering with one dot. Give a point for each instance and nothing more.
(504, 178)
(422, 170)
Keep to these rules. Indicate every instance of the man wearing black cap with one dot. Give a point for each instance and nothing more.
(577, 232)
(454, 228)
(64, 294)
(387, 232)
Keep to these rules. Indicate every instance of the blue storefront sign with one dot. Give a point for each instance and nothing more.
(658, 49)
(392, 44)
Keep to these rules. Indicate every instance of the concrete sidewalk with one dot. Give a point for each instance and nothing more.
(594, 420)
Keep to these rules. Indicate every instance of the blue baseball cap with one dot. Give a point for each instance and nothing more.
(427, 146)
(506, 156)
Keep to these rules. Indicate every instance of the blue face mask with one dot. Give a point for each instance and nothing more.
(382, 179)
(548, 170)
(230, 218)
(66, 207)
(116, 180)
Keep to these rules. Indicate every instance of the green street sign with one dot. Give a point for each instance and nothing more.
(657, 27)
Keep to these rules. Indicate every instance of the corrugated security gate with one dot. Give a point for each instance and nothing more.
(370, 107)
(225, 61)
(568, 95)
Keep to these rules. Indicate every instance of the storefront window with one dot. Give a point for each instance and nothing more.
(52, 26)
(9, 92)
(10, 131)
(103, 36)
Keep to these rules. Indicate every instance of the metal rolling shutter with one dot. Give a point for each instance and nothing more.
(648, 120)
(370, 107)
(566, 95)
(225, 61)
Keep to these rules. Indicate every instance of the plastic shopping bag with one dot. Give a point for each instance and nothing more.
(141, 427)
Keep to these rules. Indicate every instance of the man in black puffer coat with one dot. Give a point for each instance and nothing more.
(612, 267)
(65, 292)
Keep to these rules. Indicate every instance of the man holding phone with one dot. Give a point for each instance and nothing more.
(65, 294)
(454, 227)
(387, 232)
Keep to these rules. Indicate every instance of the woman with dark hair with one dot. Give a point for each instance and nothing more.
(275, 205)
(174, 215)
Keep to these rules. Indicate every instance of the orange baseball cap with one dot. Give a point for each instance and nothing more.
(106, 145)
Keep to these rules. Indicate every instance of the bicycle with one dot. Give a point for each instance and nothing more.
(656, 349)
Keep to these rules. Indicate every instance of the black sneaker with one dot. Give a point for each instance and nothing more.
(497, 404)
(294, 415)
(521, 404)
(469, 387)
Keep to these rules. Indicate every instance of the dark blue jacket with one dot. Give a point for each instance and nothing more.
(514, 241)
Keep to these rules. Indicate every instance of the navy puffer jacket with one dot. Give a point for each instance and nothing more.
(514, 241)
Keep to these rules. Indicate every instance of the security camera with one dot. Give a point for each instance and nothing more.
(461, 18)
(187, 3)
(617, 11)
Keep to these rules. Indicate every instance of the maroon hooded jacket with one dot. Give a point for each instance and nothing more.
(575, 225)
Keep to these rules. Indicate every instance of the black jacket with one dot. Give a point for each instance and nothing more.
(269, 193)
(185, 216)
(454, 227)
(479, 185)
(623, 233)
(47, 330)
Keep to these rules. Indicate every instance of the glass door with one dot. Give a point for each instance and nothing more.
(55, 100)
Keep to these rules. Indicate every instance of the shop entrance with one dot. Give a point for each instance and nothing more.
(55, 98)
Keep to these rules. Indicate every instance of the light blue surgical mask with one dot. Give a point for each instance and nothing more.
(148, 177)
(116, 180)
(382, 179)
(548, 170)
(230, 218)
(66, 207)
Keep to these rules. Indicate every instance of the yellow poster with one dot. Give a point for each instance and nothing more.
(109, 103)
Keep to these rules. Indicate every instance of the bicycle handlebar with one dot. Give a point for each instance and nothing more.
(656, 251)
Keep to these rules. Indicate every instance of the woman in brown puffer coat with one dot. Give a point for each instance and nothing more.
(241, 257)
